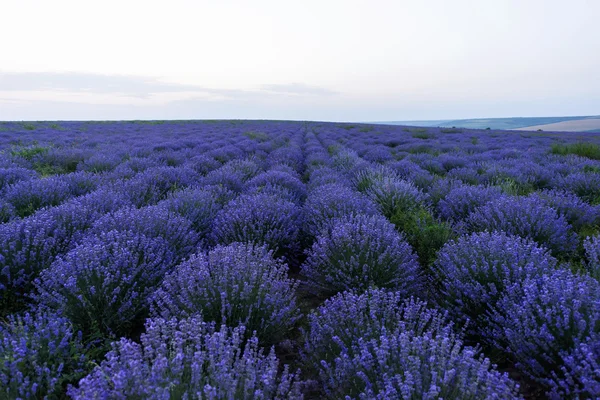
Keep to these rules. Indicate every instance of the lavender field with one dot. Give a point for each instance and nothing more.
(276, 260)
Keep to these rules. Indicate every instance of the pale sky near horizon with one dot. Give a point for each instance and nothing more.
(340, 60)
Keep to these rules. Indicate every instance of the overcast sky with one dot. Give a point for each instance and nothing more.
(343, 60)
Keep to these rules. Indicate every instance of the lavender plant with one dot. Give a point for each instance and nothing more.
(349, 316)
(39, 353)
(103, 285)
(189, 359)
(393, 195)
(30, 195)
(234, 284)
(331, 201)
(543, 316)
(475, 271)
(403, 365)
(592, 254)
(462, 200)
(27, 247)
(358, 252)
(152, 222)
(260, 218)
(528, 217)
(199, 206)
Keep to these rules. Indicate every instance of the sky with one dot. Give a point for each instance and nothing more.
(327, 60)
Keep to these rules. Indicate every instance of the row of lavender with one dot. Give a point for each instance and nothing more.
(223, 233)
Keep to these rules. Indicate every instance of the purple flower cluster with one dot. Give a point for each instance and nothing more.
(260, 218)
(235, 284)
(464, 199)
(528, 217)
(188, 359)
(153, 222)
(103, 285)
(592, 254)
(331, 201)
(539, 319)
(38, 353)
(358, 252)
(476, 270)
(403, 365)
(348, 316)
(393, 195)
(274, 181)
(30, 195)
(197, 205)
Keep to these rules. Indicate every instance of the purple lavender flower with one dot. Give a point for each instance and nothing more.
(402, 365)
(394, 195)
(196, 205)
(462, 200)
(577, 212)
(580, 374)
(7, 211)
(332, 201)
(30, 195)
(475, 271)
(38, 353)
(188, 359)
(9, 176)
(541, 317)
(103, 284)
(528, 217)
(348, 317)
(267, 180)
(592, 255)
(583, 184)
(27, 247)
(153, 222)
(239, 283)
(360, 251)
(154, 184)
(100, 162)
(260, 218)
(325, 176)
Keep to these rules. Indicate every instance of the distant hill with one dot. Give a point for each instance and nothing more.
(573, 124)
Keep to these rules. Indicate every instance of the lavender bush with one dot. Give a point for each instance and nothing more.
(331, 201)
(407, 366)
(475, 271)
(592, 253)
(234, 284)
(260, 218)
(39, 353)
(528, 217)
(188, 359)
(349, 316)
(358, 252)
(541, 317)
(103, 284)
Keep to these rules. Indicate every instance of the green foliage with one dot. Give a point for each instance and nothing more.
(423, 149)
(258, 136)
(451, 130)
(366, 129)
(28, 152)
(424, 232)
(423, 135)
(474, 140)
(582, 149)
(591, 168)
(29, 126)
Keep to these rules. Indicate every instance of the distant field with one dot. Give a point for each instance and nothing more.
(525, 123)
(580, 125)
